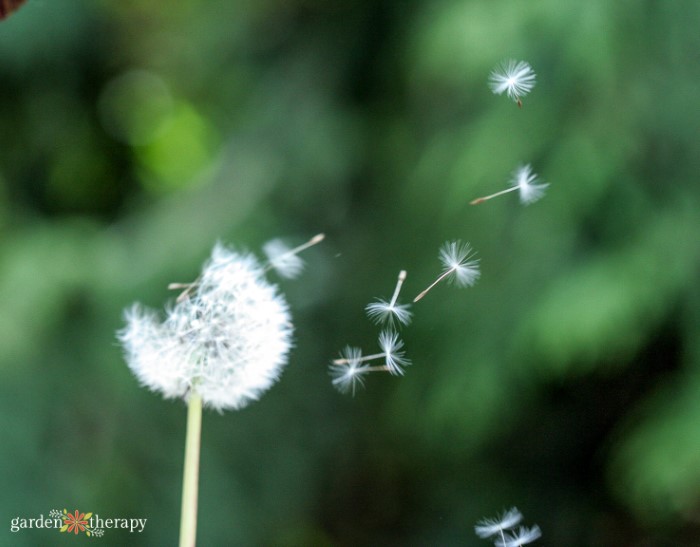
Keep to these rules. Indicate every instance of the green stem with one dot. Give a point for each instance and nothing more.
(190, 479)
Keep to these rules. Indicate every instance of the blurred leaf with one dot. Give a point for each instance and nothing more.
(609, 305)
(656, 465)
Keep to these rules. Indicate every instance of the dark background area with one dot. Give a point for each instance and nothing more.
(566, 382)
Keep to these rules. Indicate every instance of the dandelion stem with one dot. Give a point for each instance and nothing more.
(190, 479)
(443, 276)
(479, 200)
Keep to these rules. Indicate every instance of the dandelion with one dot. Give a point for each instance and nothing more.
(516, 78)
(522, 537)
(526, 182)
(459, 266)
(487, 527)
(222, 344)
(285, 261)
(348, 370)
(382, 311)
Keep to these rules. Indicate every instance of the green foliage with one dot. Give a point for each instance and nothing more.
(134, 135)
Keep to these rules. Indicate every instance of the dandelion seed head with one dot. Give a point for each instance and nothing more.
(229, 340)
(348, 371)
(394, 357)
(383, 312)
(515, 78)
(285, 262)
(527, 182)
(457, 259)
(522, 537)
(490, 527)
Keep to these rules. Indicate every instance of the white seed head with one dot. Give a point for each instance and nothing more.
(490, 527)
(516, 78)
(285, 262)
(528, 185)
(523, 536)
(385, 312)
(228, 340)
(382, 311)
(394, 357)
(461, 267)
(348, 371)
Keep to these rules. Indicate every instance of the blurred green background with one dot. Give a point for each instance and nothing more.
(134, 134)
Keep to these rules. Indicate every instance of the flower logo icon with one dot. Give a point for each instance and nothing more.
(76, 522)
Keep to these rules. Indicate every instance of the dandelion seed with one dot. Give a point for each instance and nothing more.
(526, 182)
(348, 370)
(516, 78)
(487, 527)
(522, 537)
(347, 373)
(382, 311)
(280, 258)
(394, 357)
(459, 266)
(285, 261)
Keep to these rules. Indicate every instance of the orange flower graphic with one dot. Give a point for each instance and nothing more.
(77, 522)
